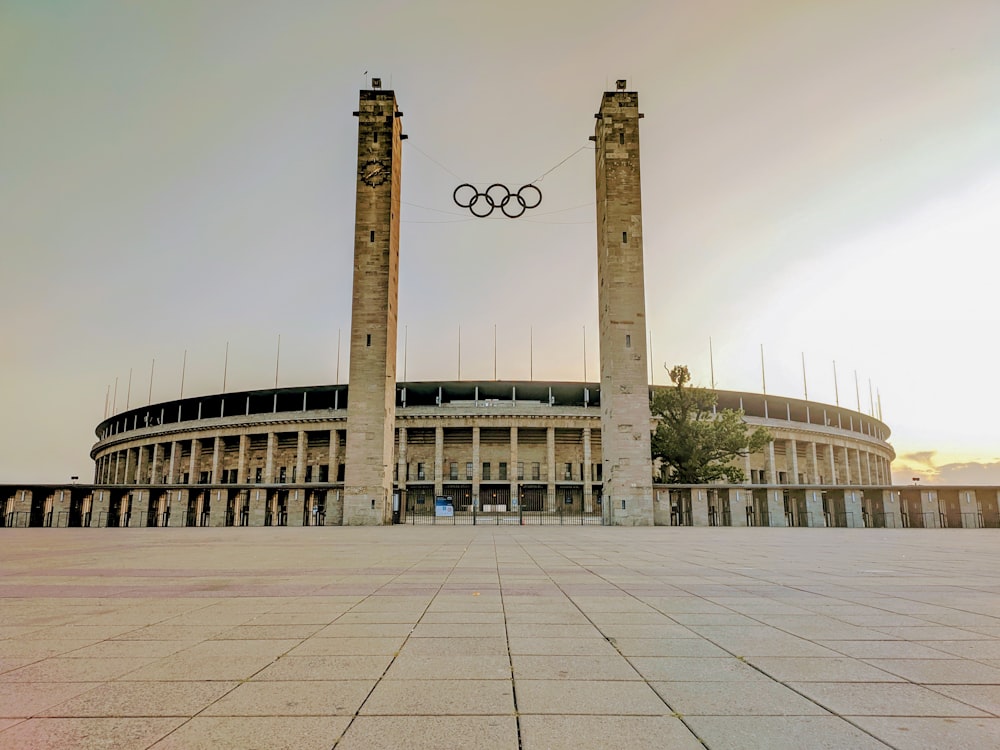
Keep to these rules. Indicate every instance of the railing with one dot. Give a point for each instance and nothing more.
(520, 517)
(886, 520)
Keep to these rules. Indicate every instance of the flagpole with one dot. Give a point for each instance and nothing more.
(184, 371)
(711, 362)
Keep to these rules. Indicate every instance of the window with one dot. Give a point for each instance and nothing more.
(204, 478)
(621, 137)
(453, 470)
(324, 473)
(486, 470)
(420, 471)
(569, 471)
(628, 341)
(309, 473)
(340, 472)
(502, 471)
(371, 236)
(259, 476)
(468, 470)
(520, 470)
(536, 471)
(624, 238)
(368, 340)
(281, 475)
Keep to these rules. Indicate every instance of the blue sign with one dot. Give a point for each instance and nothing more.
(443, 507)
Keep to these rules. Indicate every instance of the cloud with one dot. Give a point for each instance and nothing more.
(920, 464)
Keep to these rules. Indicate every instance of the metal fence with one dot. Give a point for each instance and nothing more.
(521, 517)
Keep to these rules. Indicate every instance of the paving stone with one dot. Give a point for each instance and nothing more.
(310, 698)
(107, 734)
(743, 698)
(669, 647)
(141, 699)
(820, 669)
(931, 733)
(940, 671)
(595, 697)
(26, 699)
(601, 732)
(534, 667)
(61, 669)
(410, 666)
(781, 733)
(348, 646)
(440, 697)
(692, 669)
(565, 646)
(985, 697)
(886, 699)
(430, 733)
(327, 667)
(271, 732)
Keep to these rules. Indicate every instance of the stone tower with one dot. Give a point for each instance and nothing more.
(625, 416)
(371, 406)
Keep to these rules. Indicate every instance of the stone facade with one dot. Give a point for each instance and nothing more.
(622, 313)
(371, 414)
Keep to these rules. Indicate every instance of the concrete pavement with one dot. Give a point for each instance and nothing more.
(499, 637)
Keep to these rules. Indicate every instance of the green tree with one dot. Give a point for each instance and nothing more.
(695, 442)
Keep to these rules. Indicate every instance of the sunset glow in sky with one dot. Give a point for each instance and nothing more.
(819, 178)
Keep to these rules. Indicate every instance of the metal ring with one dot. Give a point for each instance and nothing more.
(485, 199)
(511, 204)
(517, 202)
(475, 194)
(524, 201)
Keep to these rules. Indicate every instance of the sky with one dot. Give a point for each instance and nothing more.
(820, 181)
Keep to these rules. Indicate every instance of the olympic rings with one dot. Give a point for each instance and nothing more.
(512, 205)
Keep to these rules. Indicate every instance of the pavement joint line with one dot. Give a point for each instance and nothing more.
(406, 638)
(510, 659)
(611, 642)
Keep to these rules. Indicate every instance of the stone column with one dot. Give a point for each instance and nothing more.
(625, 417)
(300, 461)
(772, 470)
(216, 457)
(776, 508)
(833, 463)
(857, 464)
(588, 489)
(814, 509)
(333, 469)
(847, 466)
(140, 465)
(128, 466)
(272, 439)
(371, 409)
(476, 467)
(154, 464)
(853, 508)
(550, 453)
(438, 461)
(403, 464)
(699, 507)
(172, 471)
(241, 463)
(814, 462)
(194, 461)
(892, 507)
(515, 498)
(738, 501)
(793, 447)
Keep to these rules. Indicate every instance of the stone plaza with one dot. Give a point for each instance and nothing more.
(499, 637)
